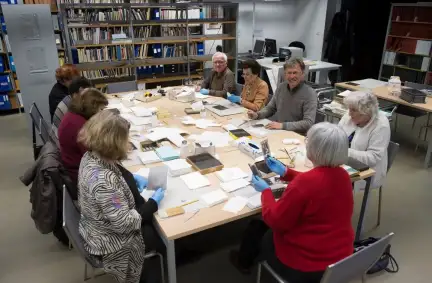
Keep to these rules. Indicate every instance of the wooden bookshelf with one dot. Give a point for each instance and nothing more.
(177, 53)
(408, 45)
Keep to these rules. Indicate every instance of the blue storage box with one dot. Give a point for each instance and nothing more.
(2, 68)
(12, 64)
(5, 83)
(4, 102)
(3, 24)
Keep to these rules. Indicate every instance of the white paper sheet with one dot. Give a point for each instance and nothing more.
(235, 204)
(195, 180)
(230, 174)
(143, 172)
(254, 201)
(139, 121)
(246, 192)
(219, 139)
(141, 111)
(234, 185)
(148, 157)
(213, 198)
(197, 105)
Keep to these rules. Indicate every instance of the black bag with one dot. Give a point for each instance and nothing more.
(387, 262)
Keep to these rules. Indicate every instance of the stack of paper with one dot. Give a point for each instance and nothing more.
(218, 139)
(235, 204)
(176, 139)
(229, 174)
(138, 121)
(148, 157)
(213, 198)
(195, 180)
(204, 124)
(234, 185)
(254, 201)
(142, 112)
(178, 167)
(229, 127)
(167, 153)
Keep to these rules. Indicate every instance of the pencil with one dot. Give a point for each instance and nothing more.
(190, 202)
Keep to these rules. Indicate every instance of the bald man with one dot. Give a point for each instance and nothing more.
(221, 79)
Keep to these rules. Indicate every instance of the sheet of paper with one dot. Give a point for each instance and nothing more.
(254, 201)
(230, 174)
(205, 123)
(177, 164)
(197, 105)
(235, 204)
(246, 192)
(158, 178)
(141, 111)
(345, 93)
(229, 127)
(213, 198)
(234, 185)
(139, 121)
(219, 139)
(148, 157)
(195, 180)
(143, 172)
(176, 139)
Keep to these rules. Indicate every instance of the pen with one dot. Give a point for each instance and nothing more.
(193, 214)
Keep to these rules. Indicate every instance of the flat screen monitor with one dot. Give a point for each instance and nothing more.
(270, 45)
(259, 47)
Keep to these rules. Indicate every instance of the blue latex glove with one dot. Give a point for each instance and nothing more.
(275, 166)
(204, 91)
(158, 195)
(141, 182)
(259, 184)
(234, 98)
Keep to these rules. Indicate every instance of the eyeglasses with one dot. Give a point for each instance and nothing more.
(245, 75)
(219, 62)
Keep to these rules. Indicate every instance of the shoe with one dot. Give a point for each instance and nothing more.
(234, 259)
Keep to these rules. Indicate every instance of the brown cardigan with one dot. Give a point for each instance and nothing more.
(256, 97)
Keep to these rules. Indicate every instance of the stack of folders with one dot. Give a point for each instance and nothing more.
(178, 167)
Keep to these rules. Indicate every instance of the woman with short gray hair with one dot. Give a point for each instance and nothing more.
(368, 131)
(309, 227)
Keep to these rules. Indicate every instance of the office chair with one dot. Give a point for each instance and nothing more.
(121, 87)
(298, 44)
(71, 217)
(239, 89)
(40, 126)
(353, 267)
(392, 151)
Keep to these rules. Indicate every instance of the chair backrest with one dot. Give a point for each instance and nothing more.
(356, 265)
(418, 86)
(298, 44)
(319, 117)
(239, 88)
(121, 87)
(39, 123)
(392, 151)
(71, 217)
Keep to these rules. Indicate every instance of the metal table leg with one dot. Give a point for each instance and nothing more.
(428, 156)
(363, 209)
(170, 250)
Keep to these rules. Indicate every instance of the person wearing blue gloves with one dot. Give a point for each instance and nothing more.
(221, 79)
(116, 222)
(309, 227)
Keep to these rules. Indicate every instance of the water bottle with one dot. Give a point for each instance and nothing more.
(203, 112)
(184, 149)
(154, 120)
(394, 86)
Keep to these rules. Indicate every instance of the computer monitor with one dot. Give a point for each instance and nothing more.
(270, 45)
(259, 47)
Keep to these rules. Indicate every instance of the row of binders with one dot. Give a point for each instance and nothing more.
(173, 51)
(144, 32)
(107, 53)
(95, 35)
(196, 48)
(108, 73)
(118, 14)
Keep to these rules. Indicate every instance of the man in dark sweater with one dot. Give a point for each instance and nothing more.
(294, 104)
(221, 79)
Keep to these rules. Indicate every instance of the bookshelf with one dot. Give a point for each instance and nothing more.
(408, 45)
(156, 42)
(9, 84)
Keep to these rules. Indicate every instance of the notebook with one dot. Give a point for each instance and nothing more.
(195, 180)
(214, 198)
(167, 153)
(229, 174)
(234, 185)
(148, 157)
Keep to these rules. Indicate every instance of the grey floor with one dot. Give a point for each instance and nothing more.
(28, 256)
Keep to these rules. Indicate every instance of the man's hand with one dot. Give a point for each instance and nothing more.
(197, 88)
(274, 126)
(252, 115)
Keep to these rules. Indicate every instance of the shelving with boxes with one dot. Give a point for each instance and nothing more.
(408, 45)
(152, 43)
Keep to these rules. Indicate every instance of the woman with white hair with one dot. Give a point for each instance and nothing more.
(309, 227)
(368, 131)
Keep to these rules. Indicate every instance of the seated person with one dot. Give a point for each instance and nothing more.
(368, 131)
(82, 108)
(255, 91)
(309, 227)
(294, 103)
(221, 79)
(111, 223)
(76, 86)
(64, 76)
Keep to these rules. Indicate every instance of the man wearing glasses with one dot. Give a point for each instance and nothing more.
(294, 104)
(221, 79)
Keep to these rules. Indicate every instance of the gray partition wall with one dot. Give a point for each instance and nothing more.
(31, 37)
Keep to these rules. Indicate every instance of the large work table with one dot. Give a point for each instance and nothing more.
(180, 226)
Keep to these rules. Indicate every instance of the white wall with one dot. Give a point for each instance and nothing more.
(285, 21)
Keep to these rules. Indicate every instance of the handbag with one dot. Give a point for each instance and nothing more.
(386, 262)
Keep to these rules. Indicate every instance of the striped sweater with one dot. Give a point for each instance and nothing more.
(109, 219)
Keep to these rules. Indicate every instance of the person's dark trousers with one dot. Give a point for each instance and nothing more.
(151, 272)
(251, 243)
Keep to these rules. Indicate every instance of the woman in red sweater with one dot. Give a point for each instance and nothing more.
(82, 107)
(309, 227)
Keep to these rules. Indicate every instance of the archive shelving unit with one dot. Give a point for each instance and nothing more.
(407, 49)
(166, 58)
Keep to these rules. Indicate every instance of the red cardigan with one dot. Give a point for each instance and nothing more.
(70, 150)
(311, 222)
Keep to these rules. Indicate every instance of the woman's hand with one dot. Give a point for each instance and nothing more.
(141, 182)
(259, 184)
(276, 166)
(158, 195)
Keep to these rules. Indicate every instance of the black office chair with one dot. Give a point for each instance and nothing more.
(298, 44)
(40, 126)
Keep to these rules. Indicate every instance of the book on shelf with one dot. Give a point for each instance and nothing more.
(6, 40)
(103, 54)
(176, 30)
(213, 12)
(141, 51)
(173, 51)
(425, 64)
(141, 33)
(183, 14)
(196, 48)
(55, 21)
(108, 73)
(141, 14)
(116, 14)
(96, 35)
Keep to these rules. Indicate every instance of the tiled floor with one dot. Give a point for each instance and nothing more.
(28, 256)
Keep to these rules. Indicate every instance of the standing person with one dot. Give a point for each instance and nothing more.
(82, 108)
(368, 132)
(64, 76)
(255, 91)
(221, 79)
(309, 227)
(112, 225)
(294, 103)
